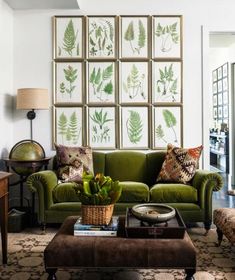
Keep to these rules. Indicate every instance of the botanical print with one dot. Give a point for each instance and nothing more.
(166, 126)
(134, 82)
(101, 82)
(101, 129)
(68, 37)
(167, 37)
(101, 37)
(134, 127)
(134, 37)
(166, 82)
(68, 82)
(68, 126)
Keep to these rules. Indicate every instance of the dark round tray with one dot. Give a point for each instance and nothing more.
(153, 212)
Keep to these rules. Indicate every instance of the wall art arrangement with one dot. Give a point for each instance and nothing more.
(117, 81)
(220, 94)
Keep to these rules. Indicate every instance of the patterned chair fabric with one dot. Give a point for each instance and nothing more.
(224, 219)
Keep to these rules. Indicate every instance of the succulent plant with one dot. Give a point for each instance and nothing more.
(98, 190)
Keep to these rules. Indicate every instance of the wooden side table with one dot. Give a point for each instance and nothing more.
(4, 212)
(33, 165)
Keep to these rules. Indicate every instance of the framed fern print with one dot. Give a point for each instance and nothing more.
(101, 127)
(134, 37)
(101, 79)
(134, 127)
(68, 125)
(133, 80)
(166, 82)
(68, 82)
(68, 37)
(101, 37)
(167, 126)
(167, 37)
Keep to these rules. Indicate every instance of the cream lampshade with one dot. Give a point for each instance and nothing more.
(32, 99)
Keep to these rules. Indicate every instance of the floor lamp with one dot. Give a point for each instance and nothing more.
(32, 99)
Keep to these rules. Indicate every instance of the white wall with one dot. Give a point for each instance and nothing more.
(33, 57)
(6, 78)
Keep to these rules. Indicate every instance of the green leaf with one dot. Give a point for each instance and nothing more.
(169, 118)
(134, 127)
(159, 132)
(62, 87)
(98, 77)
(92, 76)
(92, 42)
(108, 88)
(111, 30)
(62, 124)
(69, 40)
(129, 34)
(134, 75)
(142, 35)
(108, 72)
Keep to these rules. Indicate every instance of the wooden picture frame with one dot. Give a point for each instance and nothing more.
(134, 37)
(167, 126)
(167, 37)
(68, 126)
(68, 37)
(134, 127)
(101, 37)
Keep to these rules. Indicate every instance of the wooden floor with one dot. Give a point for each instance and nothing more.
(220, 198)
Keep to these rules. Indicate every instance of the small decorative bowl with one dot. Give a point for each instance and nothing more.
(153, 213)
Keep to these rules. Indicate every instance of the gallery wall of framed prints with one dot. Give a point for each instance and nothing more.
(118, 81)
(220, 94)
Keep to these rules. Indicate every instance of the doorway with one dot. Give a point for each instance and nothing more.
(221, 59)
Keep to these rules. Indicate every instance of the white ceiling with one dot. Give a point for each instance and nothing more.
(42, 4)
(221, 40)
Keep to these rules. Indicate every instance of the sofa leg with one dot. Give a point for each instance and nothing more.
(43, 228)
(51, 273)
(207, 226)
(220, 236)
(189, 274)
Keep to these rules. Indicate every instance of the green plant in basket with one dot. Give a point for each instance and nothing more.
(98, 190)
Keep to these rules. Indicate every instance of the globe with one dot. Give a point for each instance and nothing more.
(26, 150)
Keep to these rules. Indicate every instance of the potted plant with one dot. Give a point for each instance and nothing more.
(98, 194)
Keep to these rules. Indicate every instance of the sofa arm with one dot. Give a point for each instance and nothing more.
(43, 182)
(206, 182)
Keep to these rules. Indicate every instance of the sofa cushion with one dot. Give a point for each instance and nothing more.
(64, 192)
(134, 192)
(172, 193)
(126, 166)
(180, 164)
(72, 161)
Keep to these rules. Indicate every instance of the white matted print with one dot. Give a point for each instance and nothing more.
(68, 82)
(134, 127)
(134, 36)
(101, 82)
(167, 37)
(134, 82)
(166, 82)
(166, 126)
(68, 126)
(101, 37)
(68, 42)
(101, 127)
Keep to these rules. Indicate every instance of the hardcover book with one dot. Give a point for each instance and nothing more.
(96, 230)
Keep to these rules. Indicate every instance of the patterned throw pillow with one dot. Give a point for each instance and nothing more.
(180, 164)
(72, 161)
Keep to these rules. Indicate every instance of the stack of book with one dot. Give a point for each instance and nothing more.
(95, 230)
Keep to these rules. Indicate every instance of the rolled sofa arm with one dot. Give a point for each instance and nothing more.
(207, 182)
(43, 182)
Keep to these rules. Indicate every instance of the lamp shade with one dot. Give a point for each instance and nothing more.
(32, 98)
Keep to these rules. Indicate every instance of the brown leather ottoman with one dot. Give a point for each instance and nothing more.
(68, 251)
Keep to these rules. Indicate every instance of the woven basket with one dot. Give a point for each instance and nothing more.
(97, 214)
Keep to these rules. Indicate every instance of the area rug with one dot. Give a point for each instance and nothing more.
(25, 261)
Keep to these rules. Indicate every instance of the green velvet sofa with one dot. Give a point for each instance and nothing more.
(137, 172)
